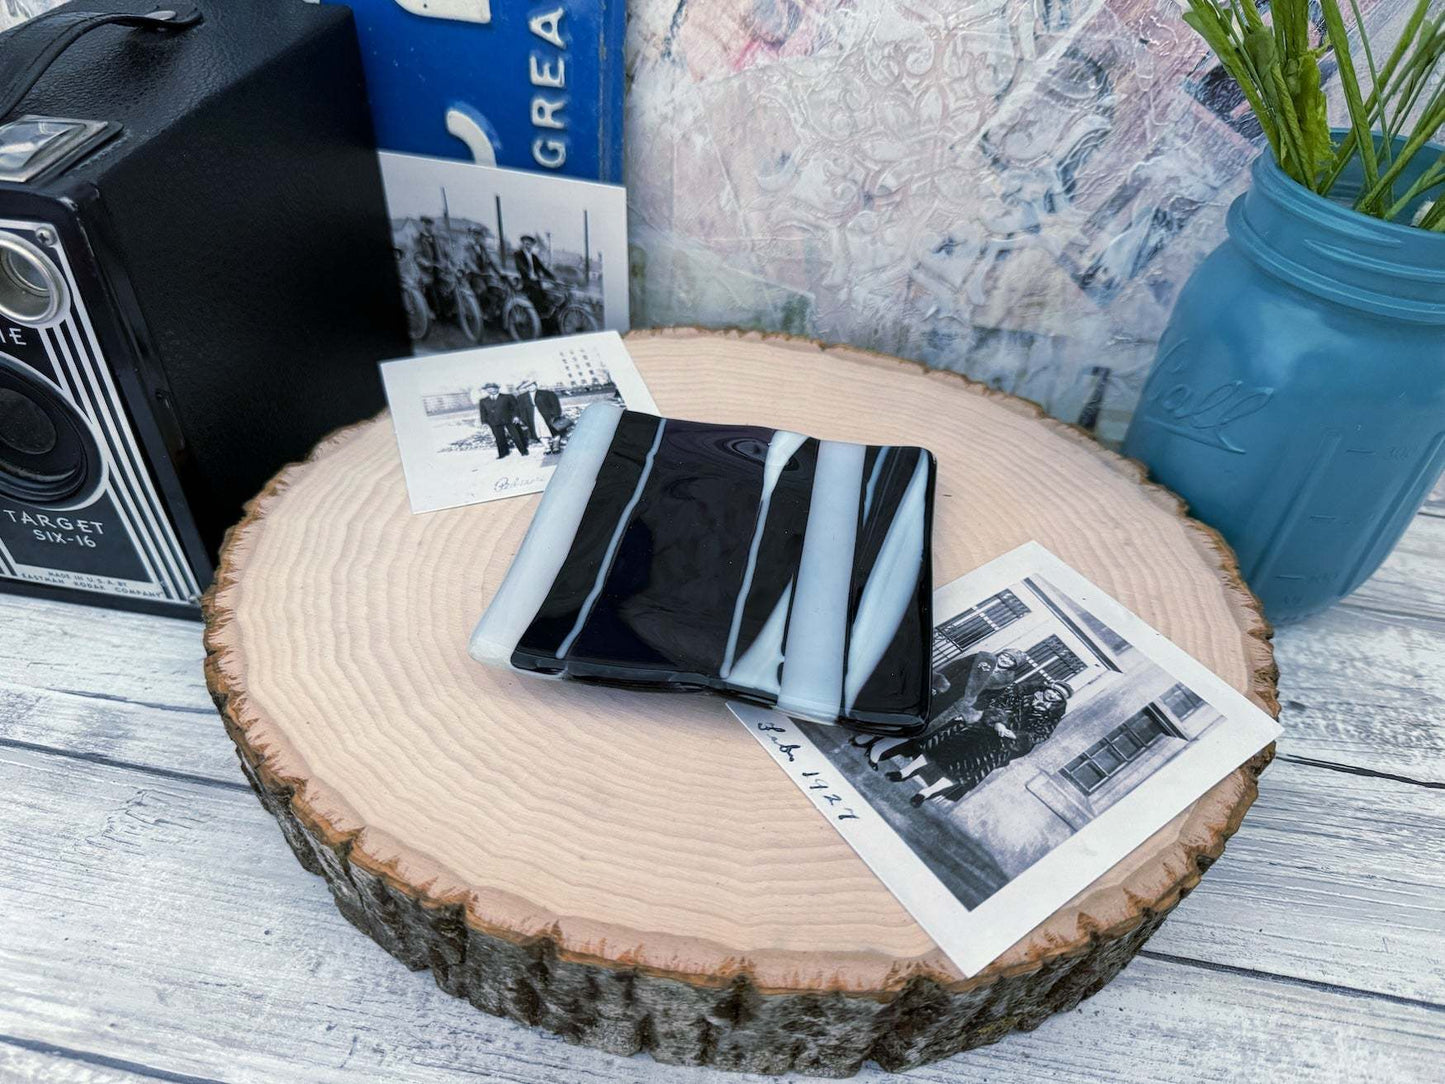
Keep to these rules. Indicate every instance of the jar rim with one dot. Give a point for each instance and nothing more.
(1266, 172)
(1325, 247)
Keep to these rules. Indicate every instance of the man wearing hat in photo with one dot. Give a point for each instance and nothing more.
(526, 408)
(477, 249)
(482, 270)
(499, 414)
(427, 256)
(533, 270)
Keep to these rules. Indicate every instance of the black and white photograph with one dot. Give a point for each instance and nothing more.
(492, 255)
(1063, 732)
(478, 425)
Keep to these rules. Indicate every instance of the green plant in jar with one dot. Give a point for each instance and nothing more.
(1276, 63)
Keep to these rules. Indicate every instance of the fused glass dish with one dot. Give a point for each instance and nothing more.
(757, 562)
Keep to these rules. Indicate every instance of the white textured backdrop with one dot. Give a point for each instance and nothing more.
(1015, 189)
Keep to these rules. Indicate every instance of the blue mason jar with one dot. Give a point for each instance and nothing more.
(1297, 401)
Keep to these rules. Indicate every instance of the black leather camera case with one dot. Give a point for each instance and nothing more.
(199, 190)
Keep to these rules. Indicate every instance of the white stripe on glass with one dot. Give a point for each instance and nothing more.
(812, 683)
(781, 449)
(622, 523)
(549, 538)
(759, 667)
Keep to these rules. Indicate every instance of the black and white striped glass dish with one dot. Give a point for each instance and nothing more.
(757, 562)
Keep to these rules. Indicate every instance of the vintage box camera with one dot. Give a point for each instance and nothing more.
(196, 281)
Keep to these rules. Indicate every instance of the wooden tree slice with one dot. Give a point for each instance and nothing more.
(629, 869)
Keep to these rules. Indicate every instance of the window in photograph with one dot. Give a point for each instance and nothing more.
(956, 636)
(1181, 701)
(448, 402)
(1055, 660)
(1092, 768)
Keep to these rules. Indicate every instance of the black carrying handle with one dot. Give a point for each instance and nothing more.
(27, 50)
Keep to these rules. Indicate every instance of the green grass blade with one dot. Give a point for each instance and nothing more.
(1252, 17)
(1350, 84)
(1379, 93)
(1429, 124)
(1206, 22)
(1291, 136)
(1365, 44)
(1416, 77)
(1429, 179)
(1385, 149)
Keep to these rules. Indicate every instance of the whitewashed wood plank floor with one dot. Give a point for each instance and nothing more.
(154, 926)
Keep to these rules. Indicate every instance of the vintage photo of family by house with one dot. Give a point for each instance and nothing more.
(1063, 733)
(1043, 717)
(475, 425)
(491, 255)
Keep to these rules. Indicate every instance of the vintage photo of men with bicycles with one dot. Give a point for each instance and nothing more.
(491, 256)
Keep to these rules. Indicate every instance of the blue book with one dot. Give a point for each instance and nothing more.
(534, 86)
